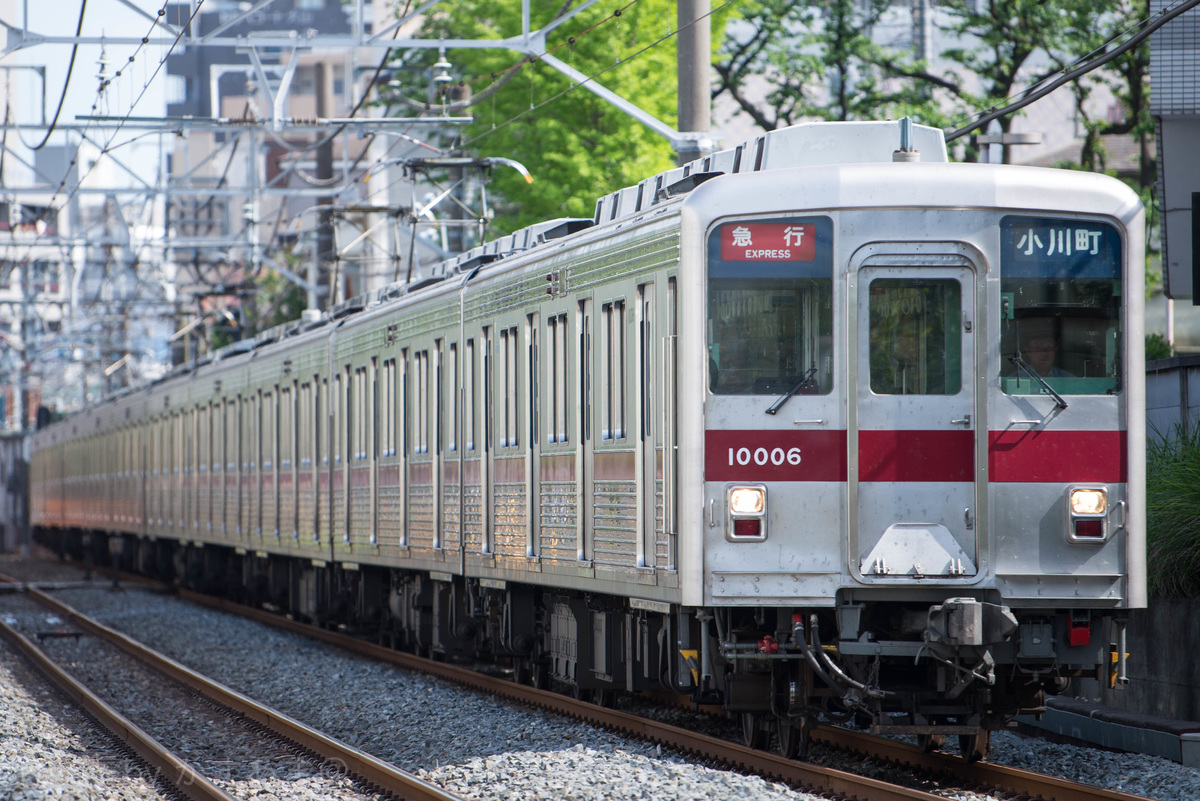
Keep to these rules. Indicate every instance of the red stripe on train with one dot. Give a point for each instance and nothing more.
(916, 455)
(1058, 456)
(909, 456)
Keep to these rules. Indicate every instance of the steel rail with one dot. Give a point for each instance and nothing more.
(999, 778)
(368, 768)
(172, 770)
(812, 778)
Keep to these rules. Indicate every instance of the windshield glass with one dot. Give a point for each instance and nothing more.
(770, 307)
(1060, 306)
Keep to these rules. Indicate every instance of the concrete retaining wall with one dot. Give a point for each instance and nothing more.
(1164, 671)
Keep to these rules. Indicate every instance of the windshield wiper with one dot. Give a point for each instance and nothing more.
(1023, 365)
(777, 405)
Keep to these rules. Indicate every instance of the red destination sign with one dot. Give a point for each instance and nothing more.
(768, 241)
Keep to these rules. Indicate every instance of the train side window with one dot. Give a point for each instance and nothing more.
(335, 417)
(270, 443)
(585, 370)
(405, 431)
(217, 454)
(439, 416)
(1061, 294)
(915, 340)
(202, 438)
(362, 418)
(612, 370)
(489, 390)
(507, 384)
(233, 429)
(556, 375)
(531, 372)
(305, 419)
(421, 401)
(387, 402)
(451, 397)
(322, 443)
(287, 427)
(469, 400)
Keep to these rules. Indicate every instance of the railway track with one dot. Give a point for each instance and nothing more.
(937, 769)
(276, 735)
(999, 779)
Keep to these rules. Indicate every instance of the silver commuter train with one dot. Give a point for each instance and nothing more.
(818, 426)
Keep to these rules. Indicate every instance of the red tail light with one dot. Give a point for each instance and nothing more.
(1089, 529)
(747, 528)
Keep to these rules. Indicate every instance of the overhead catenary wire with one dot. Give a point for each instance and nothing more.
(1033, 95)
(66, 82)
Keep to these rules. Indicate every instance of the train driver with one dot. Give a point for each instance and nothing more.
(1039, 351)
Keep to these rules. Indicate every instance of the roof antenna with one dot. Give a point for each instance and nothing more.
(906, 152)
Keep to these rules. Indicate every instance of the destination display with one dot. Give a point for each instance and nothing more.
(1038, 247)
(746, 241)
(779, 248)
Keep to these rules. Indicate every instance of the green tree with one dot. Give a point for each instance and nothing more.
(576, 146)
(1092, 25)
(785, 62)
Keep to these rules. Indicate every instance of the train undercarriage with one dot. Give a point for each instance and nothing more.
(958, 669)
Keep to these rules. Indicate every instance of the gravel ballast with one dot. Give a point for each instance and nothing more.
(478, 747)
(50, 750)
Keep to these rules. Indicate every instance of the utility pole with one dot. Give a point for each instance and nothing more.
(693, 64)
(324, 243)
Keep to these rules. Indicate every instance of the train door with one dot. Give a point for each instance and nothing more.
(913, 428)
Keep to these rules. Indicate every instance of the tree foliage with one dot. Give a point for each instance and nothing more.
(784, 62)
(576, 145)
(817, 59)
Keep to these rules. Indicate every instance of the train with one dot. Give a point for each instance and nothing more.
(823, 426)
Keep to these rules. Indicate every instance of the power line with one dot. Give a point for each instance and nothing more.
(66, 82)
(1164, 17)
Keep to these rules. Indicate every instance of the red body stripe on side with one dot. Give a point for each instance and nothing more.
(942, 456)
(916, 455)
(1057, 456)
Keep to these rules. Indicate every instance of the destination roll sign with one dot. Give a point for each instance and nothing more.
(795, 247)
(749, 241)
(1040, 247)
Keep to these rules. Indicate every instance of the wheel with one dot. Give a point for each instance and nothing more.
(974, 747)
(931, 742)
(753, 733)
(793, 740)
(605, 697)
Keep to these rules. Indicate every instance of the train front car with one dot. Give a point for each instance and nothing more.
(912, 434)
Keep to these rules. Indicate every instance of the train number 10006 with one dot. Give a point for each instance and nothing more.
(762, 456)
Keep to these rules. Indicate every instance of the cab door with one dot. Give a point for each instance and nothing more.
(913, 435)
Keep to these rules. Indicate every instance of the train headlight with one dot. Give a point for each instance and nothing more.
(1088, 501)
(747, 500)
(1087, 518)
(747, 513)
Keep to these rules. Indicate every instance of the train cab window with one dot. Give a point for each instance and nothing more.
(770, 307)
(1060, 306)
(916, 347)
